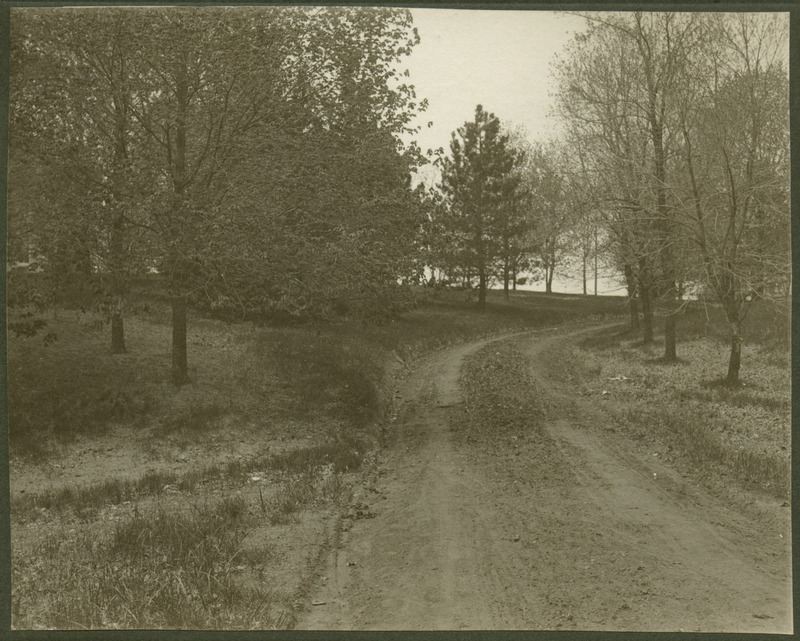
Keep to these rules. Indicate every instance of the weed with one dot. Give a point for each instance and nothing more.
(290, 497)
(339, 456)
(344, 455)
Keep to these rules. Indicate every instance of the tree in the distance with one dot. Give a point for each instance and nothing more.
(478, 180)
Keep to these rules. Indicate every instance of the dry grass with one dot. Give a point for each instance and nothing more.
(168, 568)
(499, 392)
(744, 433)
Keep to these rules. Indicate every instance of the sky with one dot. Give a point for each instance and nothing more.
(500, 59)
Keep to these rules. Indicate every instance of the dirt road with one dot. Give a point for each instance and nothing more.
(585, 532)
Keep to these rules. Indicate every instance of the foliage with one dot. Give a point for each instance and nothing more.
(326, 229)
(254, 162)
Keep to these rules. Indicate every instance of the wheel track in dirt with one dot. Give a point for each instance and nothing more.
(416, 565)
(464, 538)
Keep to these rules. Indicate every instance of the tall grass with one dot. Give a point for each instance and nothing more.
(340, 456)
(169, 568)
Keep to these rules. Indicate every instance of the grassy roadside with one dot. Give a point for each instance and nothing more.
(683, 412)
(136, 505)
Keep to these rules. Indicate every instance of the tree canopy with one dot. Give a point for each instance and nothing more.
(248, 154)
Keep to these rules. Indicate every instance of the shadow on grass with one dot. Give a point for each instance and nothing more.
(662, 360)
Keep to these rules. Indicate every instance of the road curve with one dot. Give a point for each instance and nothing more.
(575, 535)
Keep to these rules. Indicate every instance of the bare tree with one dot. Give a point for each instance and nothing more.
(734, 125)
(621, 86)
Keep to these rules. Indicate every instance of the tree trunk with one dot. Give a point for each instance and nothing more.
(644, 294)
(584, 274)
(670, 324)
(733, 313)
(630, 281)
(647, 314)
(117, 285)
(117, 240)
(482, 287)
(736, 355)
(514, 279)
(180, 370)
(506, 276)
(655, 111)
(595, 261)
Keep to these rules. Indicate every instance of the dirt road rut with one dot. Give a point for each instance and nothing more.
(594, 536)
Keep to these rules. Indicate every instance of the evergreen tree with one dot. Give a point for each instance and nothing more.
(479, 183)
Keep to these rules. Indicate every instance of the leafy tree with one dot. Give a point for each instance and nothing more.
(321, 209)
(329, 230)
(217, 76)
(173, 117)
(81, 142)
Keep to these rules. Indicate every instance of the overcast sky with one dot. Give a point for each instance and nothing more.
(500, 59)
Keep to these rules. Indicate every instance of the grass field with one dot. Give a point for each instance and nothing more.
(136, 504)
(139, 505)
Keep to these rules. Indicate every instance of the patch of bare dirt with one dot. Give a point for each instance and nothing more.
(573, 527)
(130, 453)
